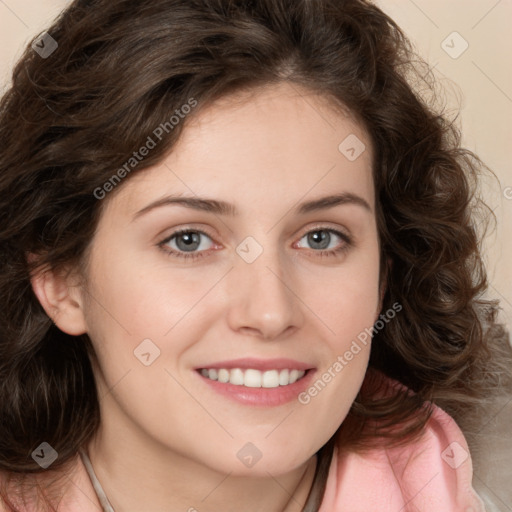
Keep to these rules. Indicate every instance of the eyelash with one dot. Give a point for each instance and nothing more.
(196, 255)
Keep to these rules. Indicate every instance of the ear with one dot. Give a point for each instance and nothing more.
(62, 301)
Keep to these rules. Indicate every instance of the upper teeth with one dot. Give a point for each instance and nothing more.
(254, 378)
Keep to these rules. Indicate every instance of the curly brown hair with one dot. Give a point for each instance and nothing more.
(120, 69)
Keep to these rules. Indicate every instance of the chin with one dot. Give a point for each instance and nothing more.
(253, 462)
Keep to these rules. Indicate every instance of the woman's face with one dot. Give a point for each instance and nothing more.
(269, 291)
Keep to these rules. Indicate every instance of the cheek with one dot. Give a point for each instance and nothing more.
(347, 299)
(139, 325)
(142, 301)
(349, 315)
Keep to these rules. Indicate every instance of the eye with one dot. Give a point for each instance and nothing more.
(185, 243)
(192, 243)
(326, 241)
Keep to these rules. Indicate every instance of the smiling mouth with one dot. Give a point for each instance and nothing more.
(253, 378)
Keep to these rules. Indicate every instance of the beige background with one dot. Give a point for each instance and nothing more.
(479, 81)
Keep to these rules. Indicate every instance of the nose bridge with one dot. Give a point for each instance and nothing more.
(263, 299)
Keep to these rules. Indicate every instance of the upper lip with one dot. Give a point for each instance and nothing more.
(258, 364)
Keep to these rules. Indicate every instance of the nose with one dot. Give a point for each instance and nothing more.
(263, 300)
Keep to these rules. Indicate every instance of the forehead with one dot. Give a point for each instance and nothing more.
(276, 141)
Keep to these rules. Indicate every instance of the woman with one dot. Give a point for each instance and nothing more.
(240, 266)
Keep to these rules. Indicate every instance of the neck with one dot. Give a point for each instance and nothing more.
(137, 476)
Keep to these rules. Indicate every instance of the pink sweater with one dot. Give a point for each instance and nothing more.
(433, 474)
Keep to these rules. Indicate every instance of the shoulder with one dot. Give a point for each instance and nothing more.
(8, 486)
(81, 496)
(432, 473)
(77, 493)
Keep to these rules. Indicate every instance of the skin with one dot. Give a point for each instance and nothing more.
(167, 441)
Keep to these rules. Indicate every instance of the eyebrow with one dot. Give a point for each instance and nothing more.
(224, 208)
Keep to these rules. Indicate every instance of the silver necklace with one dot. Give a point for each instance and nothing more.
(100, 493)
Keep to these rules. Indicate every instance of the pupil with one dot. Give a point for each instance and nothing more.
(189, 239)
(315, 238)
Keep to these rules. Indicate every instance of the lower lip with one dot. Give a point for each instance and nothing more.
(263, 397)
